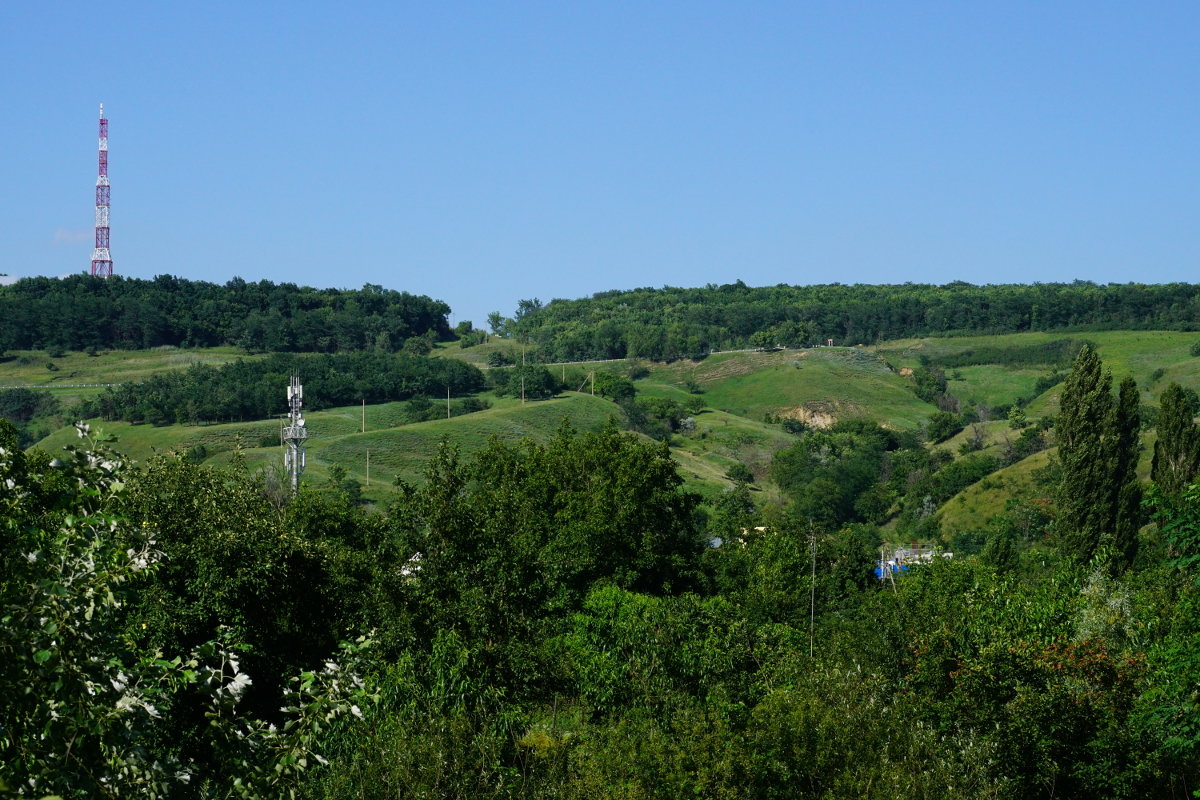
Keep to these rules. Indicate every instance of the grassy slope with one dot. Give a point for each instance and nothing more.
(1136, 353)
(971, 508)
(721, 440)
(1139, 354)
(404, 451)
(31, 367)
(738, 389)
(477, 354)
(397, 449)
(842, 382)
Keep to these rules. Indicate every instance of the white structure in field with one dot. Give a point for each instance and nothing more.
(294, 434)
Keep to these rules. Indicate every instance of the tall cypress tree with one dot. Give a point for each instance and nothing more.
(1084, 427)
(1177, 451)
(1127, 490)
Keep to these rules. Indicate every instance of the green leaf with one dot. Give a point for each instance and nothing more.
(41, 656)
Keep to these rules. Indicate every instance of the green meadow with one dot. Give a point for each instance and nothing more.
(72, 376)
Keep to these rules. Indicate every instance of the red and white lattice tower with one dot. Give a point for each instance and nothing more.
(101, 260)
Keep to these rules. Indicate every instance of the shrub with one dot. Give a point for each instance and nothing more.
(942, 425)
(739, 473)
(500, 358)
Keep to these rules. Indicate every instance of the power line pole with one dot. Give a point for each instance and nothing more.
(812, 602)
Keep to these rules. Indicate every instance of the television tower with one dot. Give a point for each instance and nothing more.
(101, 260)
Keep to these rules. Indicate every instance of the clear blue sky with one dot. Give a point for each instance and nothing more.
(485, 152)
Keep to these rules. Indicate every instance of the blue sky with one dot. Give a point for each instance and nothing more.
(482, 153)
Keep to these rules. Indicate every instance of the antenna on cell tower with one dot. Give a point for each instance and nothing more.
(294, 434)
(101, 260)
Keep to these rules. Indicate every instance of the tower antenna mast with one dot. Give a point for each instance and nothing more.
(101, 260)
(294, 434)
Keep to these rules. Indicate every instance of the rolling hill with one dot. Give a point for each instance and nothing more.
(744, 395)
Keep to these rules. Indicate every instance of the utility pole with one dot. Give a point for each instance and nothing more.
(812, 602)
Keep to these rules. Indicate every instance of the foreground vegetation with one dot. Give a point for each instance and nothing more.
(553, 620)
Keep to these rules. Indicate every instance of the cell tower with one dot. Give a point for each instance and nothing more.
(294, 434)
(101, 260)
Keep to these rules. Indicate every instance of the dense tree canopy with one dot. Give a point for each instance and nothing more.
(672, 322)
(1099, 499)
(528, 530)
(97, 700)
(250, 390)
(1177, 447)
(80, 312)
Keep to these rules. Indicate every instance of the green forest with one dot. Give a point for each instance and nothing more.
(671, 323)
(248, 390)
(694, 589)
(78, 312)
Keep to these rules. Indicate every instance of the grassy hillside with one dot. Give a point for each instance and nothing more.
(63, 374)
(828, 383)
(1152, 358)
(738, 390)
(403, 451)
(971, 508)
(397, 449)
(478, 354)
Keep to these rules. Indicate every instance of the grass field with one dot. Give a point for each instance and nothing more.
(63, 375)
(718, 442)
(478, 354)
(833, 383)
(404, 451)
(336, 437)
(1140, 354)
(971, 508)
(992, 384)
